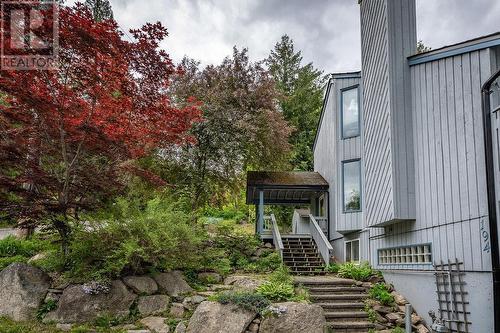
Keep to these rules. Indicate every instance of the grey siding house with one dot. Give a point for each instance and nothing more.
(414, 181)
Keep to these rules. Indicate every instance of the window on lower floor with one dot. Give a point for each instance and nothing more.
(351, 183)
(414, 254)
(352, 250)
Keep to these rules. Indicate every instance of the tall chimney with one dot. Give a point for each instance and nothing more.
(388, 37)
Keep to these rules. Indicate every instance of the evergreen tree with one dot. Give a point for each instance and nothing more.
(301, 87)
(101, 9)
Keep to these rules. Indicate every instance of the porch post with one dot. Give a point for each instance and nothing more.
(261, 211)
(328, 214)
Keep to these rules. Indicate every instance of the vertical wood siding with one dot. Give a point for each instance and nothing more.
(331, 150)
(388, 37)
(451, 193)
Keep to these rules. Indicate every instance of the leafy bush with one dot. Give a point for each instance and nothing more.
(281, 275)
(46, 308)
(4, 262)
(276, 291)
(351, 270)
(247, 300)
(332, 268)
(131, 241)
(280, 287)
(14, 250)
(381, 293)
(372, 314)
(398, 330)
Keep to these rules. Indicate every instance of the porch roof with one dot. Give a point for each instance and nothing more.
(283, 188)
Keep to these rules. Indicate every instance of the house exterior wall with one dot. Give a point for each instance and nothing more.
(331, 150)
(424, 160)
(388, 36)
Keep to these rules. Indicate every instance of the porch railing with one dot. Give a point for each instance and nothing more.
(323, 223)
(278, 242)
(324, 246)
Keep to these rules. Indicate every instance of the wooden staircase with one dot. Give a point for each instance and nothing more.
(343, 303)
(301, 255)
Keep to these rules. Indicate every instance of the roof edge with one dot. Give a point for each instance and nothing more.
(470, 45)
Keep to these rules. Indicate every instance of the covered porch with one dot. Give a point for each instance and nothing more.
(306, 191)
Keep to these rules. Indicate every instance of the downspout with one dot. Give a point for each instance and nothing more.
(492, 201)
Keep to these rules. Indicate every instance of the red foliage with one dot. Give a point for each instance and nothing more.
(64, 133)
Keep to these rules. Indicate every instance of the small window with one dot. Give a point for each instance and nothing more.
(351, 173)
(350, 113)
(352, 251)
(415, 254)
(321, 210)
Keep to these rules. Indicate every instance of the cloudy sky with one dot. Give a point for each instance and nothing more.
(327, 31)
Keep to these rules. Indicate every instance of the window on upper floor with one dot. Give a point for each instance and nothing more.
(352, 251)
(350, 113)
(351, 183)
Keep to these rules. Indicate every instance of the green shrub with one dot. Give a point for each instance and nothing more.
(159, 237)
(276, 291)
(281, 275)
(4, 262)
(381, 293)
(351, 270)
(270, 261)
(398, 330)
(372, 314)
(332, 268)
(12, 246)
(14, 250)
(46, 308)
(247, 300)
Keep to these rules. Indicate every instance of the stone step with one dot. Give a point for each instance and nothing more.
(344, 326)
(327, 283)
(338, 297)
(346, 289)
(345, 315)
(341, 306)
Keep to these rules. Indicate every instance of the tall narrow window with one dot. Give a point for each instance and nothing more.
(352, 251)
(351, 173)
(350, 113)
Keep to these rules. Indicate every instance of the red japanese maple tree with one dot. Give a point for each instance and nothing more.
(65, 135)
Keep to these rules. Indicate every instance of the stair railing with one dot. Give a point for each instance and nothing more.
(324, 246)
(278, 242)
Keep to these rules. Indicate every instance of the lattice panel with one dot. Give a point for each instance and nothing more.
(451, 295)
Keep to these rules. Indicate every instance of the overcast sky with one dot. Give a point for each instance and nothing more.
(327, 31)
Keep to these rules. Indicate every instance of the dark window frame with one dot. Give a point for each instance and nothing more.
(342, 136)
(344, 211)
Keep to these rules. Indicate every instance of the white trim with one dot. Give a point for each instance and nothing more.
(359, 249)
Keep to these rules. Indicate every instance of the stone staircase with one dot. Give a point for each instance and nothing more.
(301, 255)
(342, 301)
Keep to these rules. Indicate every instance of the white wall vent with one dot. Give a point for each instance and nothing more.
(413, 254)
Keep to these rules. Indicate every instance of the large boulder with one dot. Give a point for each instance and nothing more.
(172, 283)
(156, 324)
(213, 317)
(294, 318)
(142, 285)
(22, 289)
(77, 305)
(152, 305)
(243, 282)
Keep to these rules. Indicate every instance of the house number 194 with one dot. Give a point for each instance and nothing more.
(485, 236)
